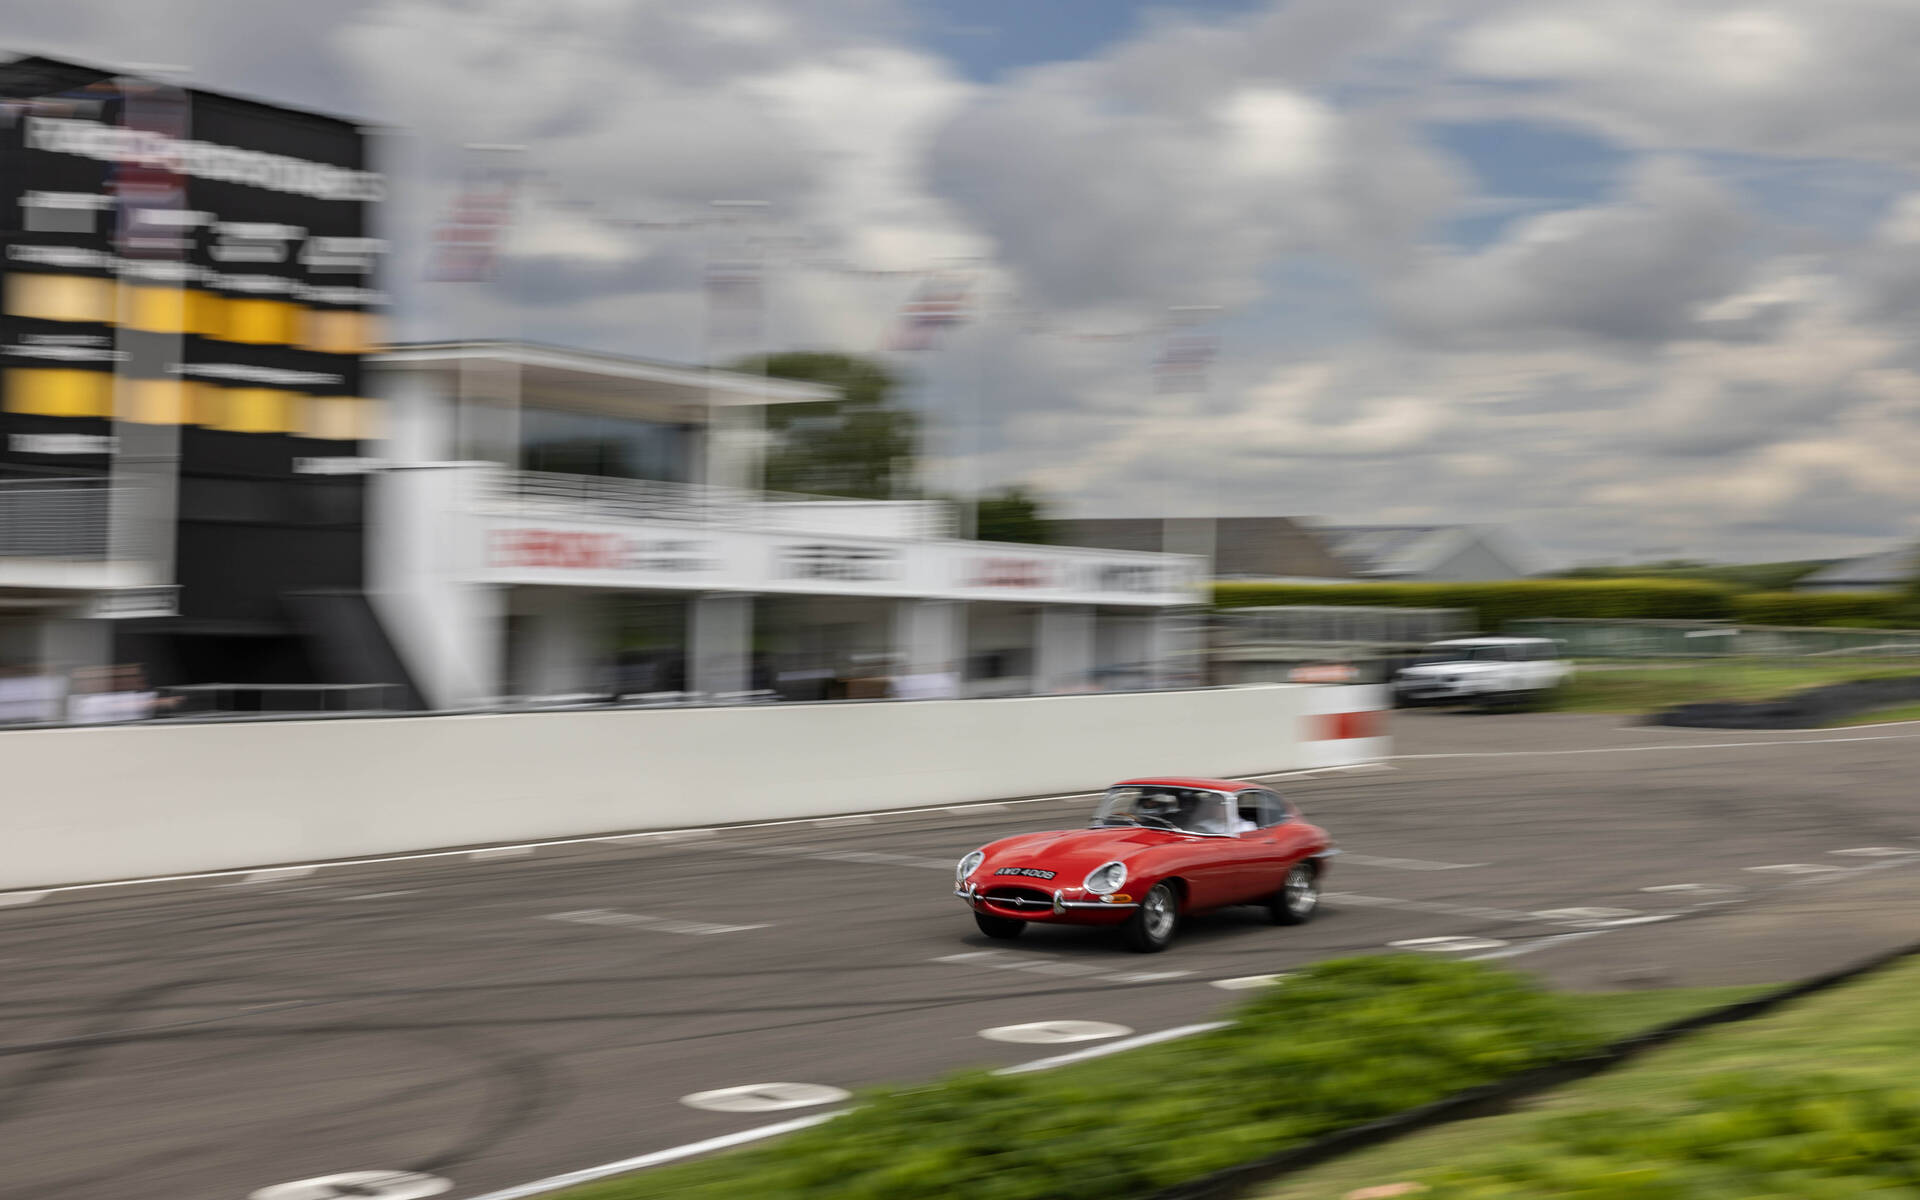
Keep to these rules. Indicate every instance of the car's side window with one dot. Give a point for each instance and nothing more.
(1272, 810)
(1249, 808)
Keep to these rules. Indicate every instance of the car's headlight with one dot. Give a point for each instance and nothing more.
(967, 866)
(1106, 878)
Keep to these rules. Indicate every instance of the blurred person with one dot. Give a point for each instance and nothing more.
(112, 695)
(28, 696)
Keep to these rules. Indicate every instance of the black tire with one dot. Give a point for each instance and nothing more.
(1299, 895)
(1152, 926)
(999, 927)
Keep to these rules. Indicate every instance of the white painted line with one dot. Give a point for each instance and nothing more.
(374, 1185)
(273, 875)
(622, 920)
(832, 821)
(766, 1097)
(1649, 919)
(976, 808)
(1699, 889)
(14, 899)
(501, 852)
(1446, 945)
(1585, 914)
(1144, 1039)
(1247, 982)
(1532, 944)
(1050, 1033)
(380, 895)
(1442, 907)
(1885, 737)
(1036, 964)
(1797, 869)
(661, 835)
(1146, 976)
(641, 1162)
(1348, 858)
(1878, 851)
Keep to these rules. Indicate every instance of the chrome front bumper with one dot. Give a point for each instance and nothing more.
(1060, 903)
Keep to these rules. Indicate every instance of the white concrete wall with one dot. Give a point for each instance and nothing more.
(134, 801)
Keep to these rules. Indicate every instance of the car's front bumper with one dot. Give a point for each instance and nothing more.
(1075, 911)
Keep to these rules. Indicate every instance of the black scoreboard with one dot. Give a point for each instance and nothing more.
(188, 288)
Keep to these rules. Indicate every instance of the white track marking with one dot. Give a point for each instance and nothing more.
(1348, 858)
(380, 895)
(500, 852)
(1878, 851)
(1699, 889)
(1035, 964)
(1883, 737)
(269, 875)
(1144, 1039)
(621, 920)
(766, 1097)
(1246, 982)
(374, 1185)
(1430, 906)
(641, 1162)
(833, 821)
(1532, 944)
(1052, 1033)
(1797, 869)
(1446, 945)
(14, 899)
(1585, 914)
(980, 808)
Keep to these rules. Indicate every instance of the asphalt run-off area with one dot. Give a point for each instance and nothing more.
(509, 1016)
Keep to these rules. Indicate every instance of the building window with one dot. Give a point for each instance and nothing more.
(585, 444)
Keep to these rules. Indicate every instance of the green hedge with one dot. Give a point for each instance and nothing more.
(1338, 1044)
(1497, 603)
(1854, 609)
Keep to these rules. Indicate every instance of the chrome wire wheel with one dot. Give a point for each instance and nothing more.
(1156, 913)
(1150, 928)
(1298, 897)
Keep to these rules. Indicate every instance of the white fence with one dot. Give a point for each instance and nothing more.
(135, 801)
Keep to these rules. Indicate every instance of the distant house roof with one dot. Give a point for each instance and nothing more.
(1395, 550)
(1889, 568)
(1242, 547)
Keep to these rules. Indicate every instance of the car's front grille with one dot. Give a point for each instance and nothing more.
(1017, 897)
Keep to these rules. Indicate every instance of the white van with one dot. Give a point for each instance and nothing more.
(1487, 671)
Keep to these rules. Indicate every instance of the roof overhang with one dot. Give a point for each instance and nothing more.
(606, 376)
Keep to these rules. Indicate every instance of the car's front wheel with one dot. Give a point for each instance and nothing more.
(998, 927)
(1151, 927)
(1298, 898)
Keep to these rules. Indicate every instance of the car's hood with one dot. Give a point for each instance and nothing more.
(1071, 853)
(1430, 670)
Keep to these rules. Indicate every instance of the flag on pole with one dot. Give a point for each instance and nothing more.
(939, 304)
(1182, 365)
(466, 246)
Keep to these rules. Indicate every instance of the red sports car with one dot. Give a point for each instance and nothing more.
(1157, 848)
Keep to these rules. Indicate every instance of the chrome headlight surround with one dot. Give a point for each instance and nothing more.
(967, 866)
(1106, 879)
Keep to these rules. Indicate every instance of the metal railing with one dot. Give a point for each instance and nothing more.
(576, 497)
(55, 518)
(1342, 624)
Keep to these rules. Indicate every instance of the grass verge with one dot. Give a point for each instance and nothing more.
(1819, 1099)
(1654, 686)
(1338, 1044)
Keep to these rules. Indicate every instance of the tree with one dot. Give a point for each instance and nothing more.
(858, 446)
(1012, 514)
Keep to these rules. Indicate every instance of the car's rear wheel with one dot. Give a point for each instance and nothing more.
(1299, 896)
(998, 927)
(1152, 925)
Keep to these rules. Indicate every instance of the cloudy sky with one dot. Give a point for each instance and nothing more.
(1628, 278)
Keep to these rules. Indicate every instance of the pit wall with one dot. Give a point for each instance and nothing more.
(90, 804)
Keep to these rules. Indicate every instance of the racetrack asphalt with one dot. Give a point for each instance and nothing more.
(504, 1017)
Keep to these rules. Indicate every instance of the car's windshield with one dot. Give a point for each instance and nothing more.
(1189, 809)
(1448, 654)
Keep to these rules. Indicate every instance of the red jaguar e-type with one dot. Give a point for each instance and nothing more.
(1157, 849)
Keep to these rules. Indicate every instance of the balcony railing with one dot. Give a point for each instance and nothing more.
(590, 497)
(55, 518)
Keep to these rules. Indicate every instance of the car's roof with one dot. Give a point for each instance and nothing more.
(1186, 781)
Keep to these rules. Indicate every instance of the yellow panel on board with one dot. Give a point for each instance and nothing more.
(157, 401)
(60, 297)
(59, 392)
(259, 410)
(262, 322)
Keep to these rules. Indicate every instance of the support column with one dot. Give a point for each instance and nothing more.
(566, 648)
(929, 648)
(719, 643)
(1176, 649)
(1063, 652)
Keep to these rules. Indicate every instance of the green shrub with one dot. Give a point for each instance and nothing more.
(1339, 1043)
(1857, 609)
(1495, 604)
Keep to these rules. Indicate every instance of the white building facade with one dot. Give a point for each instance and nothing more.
(550, 525)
